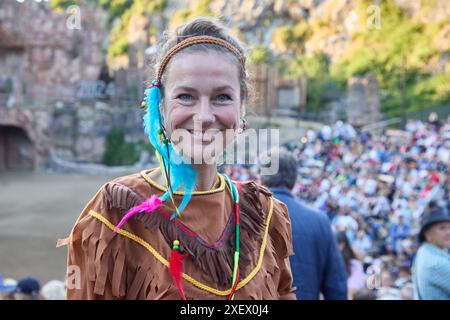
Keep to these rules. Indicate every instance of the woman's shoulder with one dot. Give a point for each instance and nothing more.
(260, 197)
(112, 200)
(137, 181)
(101, 255)
(257, 201)
(123, 193)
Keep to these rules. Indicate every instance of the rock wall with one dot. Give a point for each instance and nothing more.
(43, 64)
(79, 130)
(47, 56)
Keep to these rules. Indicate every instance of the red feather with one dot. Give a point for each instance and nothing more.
(176, 269)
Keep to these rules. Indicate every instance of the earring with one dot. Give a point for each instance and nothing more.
(243, 126)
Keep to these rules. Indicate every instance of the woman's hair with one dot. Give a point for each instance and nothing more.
(347, 252)
(203, 27)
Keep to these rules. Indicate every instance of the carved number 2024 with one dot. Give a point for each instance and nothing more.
(94, 89)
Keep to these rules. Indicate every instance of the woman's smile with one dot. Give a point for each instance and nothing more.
(205, 137)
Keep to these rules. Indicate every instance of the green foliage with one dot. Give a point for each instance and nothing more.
(118, 151)
(260, 55)
(115, 8)
(120, 13)
(291, 38)
(315, 66)
(400, 47)
(123, 12)
(117, 48)
(180, 16)
(198, 8)
(62, 4)
(321, 86)
(281, 38)
(201, 7)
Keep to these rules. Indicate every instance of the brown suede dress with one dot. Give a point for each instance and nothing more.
(133, 263)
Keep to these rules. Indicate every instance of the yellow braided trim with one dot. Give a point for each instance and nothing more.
(221, 187)
(188, 278)
(130, 236)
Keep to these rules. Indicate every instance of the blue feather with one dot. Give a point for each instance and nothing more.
(182, 174)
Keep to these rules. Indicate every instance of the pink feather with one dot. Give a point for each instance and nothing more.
(148, 206)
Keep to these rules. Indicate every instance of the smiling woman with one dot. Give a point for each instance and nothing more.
(183, 230)
(205, 110)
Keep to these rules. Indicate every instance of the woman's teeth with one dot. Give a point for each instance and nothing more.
(202, 135)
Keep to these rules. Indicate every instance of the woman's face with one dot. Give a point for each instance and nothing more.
(202, 104)
(439, 235)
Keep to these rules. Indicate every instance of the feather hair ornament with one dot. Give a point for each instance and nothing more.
(179, 174)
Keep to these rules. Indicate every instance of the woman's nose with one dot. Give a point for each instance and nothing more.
(204, 114)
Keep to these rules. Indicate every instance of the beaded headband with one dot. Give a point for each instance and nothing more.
(197, 40)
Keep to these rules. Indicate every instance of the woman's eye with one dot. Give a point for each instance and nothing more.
(223, 98)
(185, 97)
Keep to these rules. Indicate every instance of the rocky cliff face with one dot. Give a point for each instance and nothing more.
(334, 21)
(44, 54)
(45, 50)
(332, 25)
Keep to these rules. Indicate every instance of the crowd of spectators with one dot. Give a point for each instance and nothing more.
(374, 187)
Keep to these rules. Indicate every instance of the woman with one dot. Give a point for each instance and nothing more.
(182, 230)
(356, 278)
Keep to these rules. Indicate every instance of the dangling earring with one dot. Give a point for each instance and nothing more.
(243, 126)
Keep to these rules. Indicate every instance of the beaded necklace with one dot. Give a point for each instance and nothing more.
(176, 258)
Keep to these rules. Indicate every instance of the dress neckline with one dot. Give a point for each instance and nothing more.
(220, 187)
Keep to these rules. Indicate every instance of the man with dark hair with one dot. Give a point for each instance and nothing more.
(316, 265)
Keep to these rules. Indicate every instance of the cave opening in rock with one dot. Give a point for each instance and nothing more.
(17, 151)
